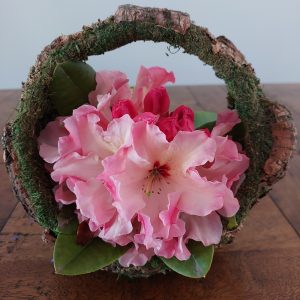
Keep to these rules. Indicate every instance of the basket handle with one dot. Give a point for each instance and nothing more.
(268, 126)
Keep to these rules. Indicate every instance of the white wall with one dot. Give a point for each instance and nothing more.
(266, 31)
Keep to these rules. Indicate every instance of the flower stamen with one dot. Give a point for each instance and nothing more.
(156, 174)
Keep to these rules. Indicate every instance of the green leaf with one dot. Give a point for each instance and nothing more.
(70, 86)
(197, 265)
(204, 119)
(67, 220)
(73, 259)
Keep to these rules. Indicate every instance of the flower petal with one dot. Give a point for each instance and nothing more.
(228, 162)
(200, 197)
(63, 194)
(173, 226)
(94, 201)
(85, 135)
(136, 256)
(157, 101)
(48, 140)
(147, 79)
(231, 204)
(148, 141)
(124, 173)
(207, 230)
(226, 120)
(117, 231)
(107, 81)
(191, 149)
(77, 166)
(118, 133)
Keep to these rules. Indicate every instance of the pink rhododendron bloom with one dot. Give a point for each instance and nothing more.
(156, 181)
(229, 164)
(140, 175)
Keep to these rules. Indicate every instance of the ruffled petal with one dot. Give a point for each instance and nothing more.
(207, 230)
(174, 247)
(48, 140)
(113, 82)
(85, 135)
(77, 166)
(230, 206)
(118, 133)
(198, 196)
(117, 231)
(148, 141)
(136, 256)
(145, 236)
(63, 194)
(123, 174)
(173, 226)
(226, 120)
(228, 162)
(147, 79)
(191, 149)
(94, 201)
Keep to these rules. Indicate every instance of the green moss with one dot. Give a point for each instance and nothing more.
(243, 91)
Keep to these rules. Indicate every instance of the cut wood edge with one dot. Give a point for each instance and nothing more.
(284, 135)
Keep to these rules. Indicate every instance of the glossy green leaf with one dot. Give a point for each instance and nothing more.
(73, 259)
(204, 119)
(197, 265)
(70, 86)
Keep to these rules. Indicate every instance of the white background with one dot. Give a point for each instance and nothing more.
(266, 31)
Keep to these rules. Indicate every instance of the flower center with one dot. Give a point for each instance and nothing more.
(157, 173)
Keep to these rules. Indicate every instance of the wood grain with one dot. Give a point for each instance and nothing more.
(261, 264)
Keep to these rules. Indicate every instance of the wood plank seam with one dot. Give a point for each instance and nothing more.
(273, 198)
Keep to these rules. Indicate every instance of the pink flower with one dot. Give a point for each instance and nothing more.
(112, 83)
(157, 101)
(48, 139)
(185, 118)
(181, 119)
(169, 127)
(229, 163)
(123, 107)
(147, 79)
(156, 181)
(140, 175)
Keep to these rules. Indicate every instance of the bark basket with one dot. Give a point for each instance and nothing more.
(270, 133)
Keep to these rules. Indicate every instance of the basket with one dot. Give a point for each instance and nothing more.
(270, 134)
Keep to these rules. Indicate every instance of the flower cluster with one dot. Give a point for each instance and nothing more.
(141, 175)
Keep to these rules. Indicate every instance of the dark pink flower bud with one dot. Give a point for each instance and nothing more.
(157, 101)
(147, 117)
(123, 107)
(169, 127)
(185, 118)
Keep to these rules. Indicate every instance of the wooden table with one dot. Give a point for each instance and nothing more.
(262, 263)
